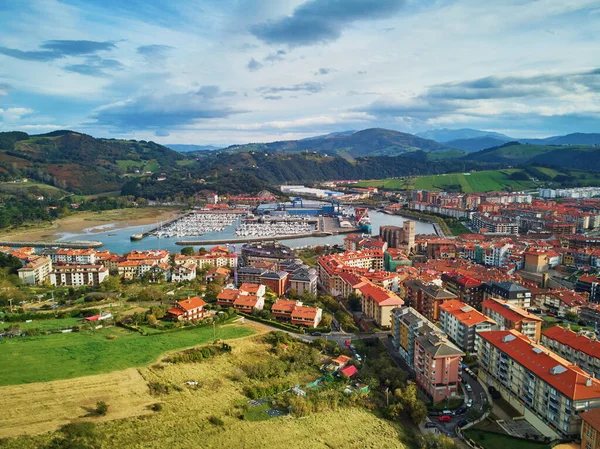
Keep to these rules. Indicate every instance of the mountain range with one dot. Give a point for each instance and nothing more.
(446, 135)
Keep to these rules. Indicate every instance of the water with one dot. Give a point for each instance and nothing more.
(118, 241)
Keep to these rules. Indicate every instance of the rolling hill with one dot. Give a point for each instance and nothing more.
(80, 163)
(186, 148)
(569, 139)
(446, 135)
(475, 144)
(368, 142)
(582, 157)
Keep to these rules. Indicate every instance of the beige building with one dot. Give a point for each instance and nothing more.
(36, 271)
(548, 390)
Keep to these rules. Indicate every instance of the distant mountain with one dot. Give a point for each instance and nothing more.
(80, 163)
(569, 139)
(185, 148)
(581, 157)
(475, 144)
(325, 136)
(368, 142)
(446, 135)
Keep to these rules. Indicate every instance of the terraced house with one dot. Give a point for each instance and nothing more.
(550, 391)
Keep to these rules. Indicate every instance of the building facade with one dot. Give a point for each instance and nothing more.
(462, 323)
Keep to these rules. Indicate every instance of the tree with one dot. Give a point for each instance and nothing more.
(213, 289)
(101, 408)
(111, 284)
(187, 251)
(570, 316)
(354, 302)
(433, 441)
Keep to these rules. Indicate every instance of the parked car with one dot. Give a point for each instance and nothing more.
(470, 402)
(445, 418)
(316, 334)
(468, 388)
(462, 423)
(447, 412)
(430, 425)
(460, 411)
(434, 413)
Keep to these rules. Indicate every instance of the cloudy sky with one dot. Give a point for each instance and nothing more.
(236, 71)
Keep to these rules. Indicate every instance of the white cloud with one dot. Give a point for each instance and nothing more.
(11, 115)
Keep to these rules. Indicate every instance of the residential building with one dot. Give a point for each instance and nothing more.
(377, 303)
(78, 275)
(188, 309)
(590, 284)
(466, 288)
(265, 252)
(183, 272)
(437, 366)
(462, 323)
(494, 224)
(247, 298)
(304, 280)
(508, 316)
(249, 275)
(220, 272)
(296, 313)
(590, 429)
(277, 281)
(590, 313)
(560, 301)
(577, 347)
(407, 325)
(36, 271)
(427, 298)
(71, 256)
(513, 293)
(548, 390)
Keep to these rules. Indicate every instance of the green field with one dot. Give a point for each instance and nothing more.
(28, 187)
(64, 356)
(129, 163)
(59, 323)
(491, 440)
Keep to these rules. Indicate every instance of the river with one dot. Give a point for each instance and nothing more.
(117, 240)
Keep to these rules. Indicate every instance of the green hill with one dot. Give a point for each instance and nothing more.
(583, 157)
(80, 163)
(368, 142)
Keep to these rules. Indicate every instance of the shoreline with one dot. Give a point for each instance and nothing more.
(95, 222)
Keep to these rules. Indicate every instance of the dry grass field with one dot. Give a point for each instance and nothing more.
(44, 407)
(184, 421)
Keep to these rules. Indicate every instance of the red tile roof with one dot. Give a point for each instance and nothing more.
(574, 340)
(191, 303)
(571, 381)
(349, 371)
(381, 296)
(508, 311)
(592, 417)
(465, 313)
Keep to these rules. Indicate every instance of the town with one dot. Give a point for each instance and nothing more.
(496, 326)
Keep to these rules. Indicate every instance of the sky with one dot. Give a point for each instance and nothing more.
(236, 71)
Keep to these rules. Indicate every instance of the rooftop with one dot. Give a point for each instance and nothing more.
(465, 313)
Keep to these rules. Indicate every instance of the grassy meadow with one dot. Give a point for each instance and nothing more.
(65, 356)
(211, 414)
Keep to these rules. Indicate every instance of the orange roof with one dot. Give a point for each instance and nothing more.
(305, 312)
(250, 288)
(191, 303)
(574, 340)
(569, 379)
(592, 417)
(341, 360)
(465, 313)
(283, 305)
(380, 295)
(508, 311)
(228, 294)
(246, 300)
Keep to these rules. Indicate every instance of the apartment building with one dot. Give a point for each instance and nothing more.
(466, 288)
(513, 293)
(277, 281)
(272, 252)
(437, 366)
(494, 224)
(304, 280)
(590, 429)
(36, 271)
(330, 267)
(578, 348)
(247, 298)
(427, 298)
(377, 303)
(296, 313)
(71, 256)
(183, 272)
(407, 325)
(78, 275)
(508, 316)
(462, 323)
(549, 390)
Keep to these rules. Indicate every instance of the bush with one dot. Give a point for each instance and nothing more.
(215, 421)
(156, 407)
(101, 408)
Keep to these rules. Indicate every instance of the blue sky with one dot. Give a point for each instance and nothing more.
(236, 71)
